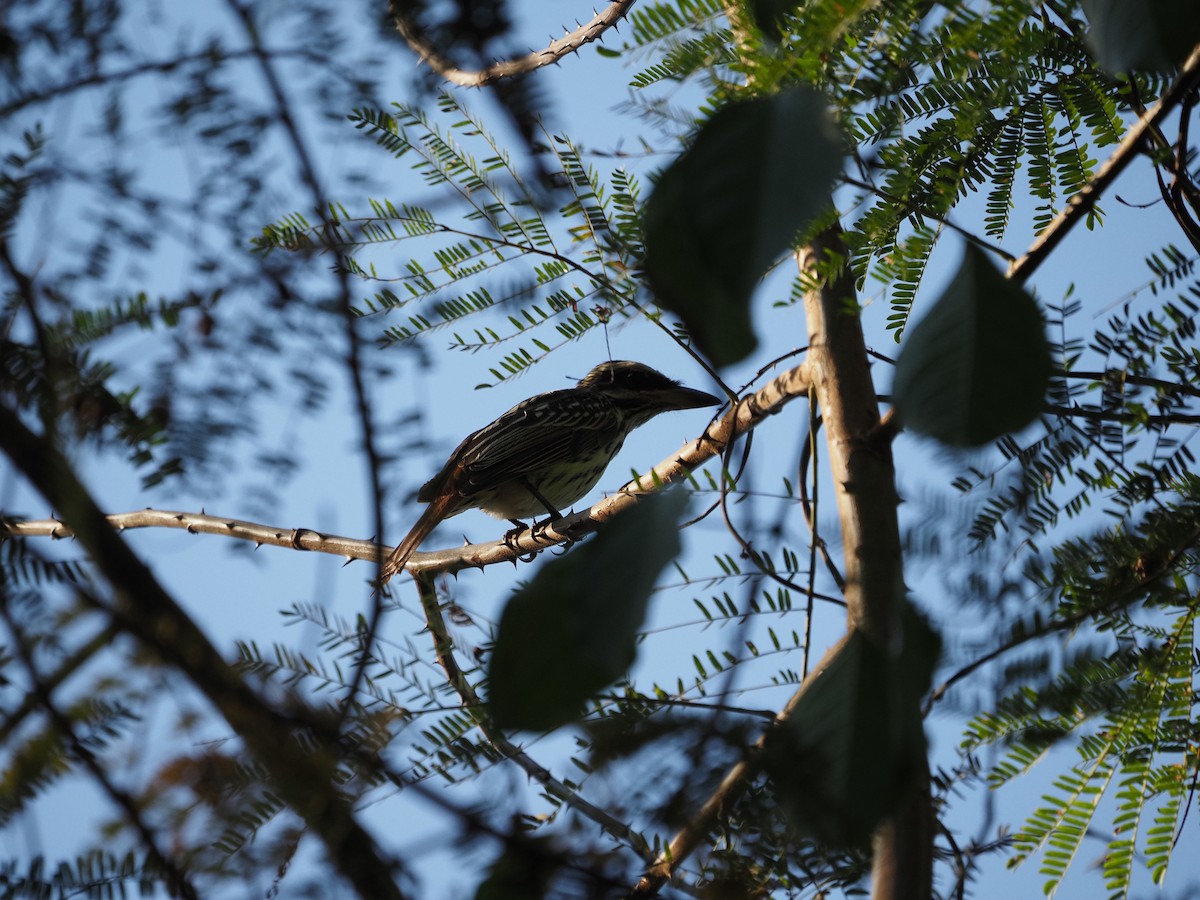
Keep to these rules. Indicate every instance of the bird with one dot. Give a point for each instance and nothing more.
(546, 452)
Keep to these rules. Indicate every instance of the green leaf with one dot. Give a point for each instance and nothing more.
(767, 13)
(573, 629)
(525, 869)
(977, 366)
(723, 212)
(854, 745)
(1142, 34)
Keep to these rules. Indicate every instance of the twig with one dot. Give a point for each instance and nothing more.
(688, 838)
(176, 878)
(302, 775)
(750, 413)
(354, 365)
(443, 647)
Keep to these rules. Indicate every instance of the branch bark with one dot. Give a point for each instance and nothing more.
(443, 648)
(860, 462)
(1080, 204)
(859, 442)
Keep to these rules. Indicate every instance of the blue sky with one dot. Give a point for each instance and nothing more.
(237, 595)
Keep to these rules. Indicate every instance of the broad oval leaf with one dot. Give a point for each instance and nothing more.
(977, 366)
(573, 629)
(721, 214)
(853, 746)
(1142, 34)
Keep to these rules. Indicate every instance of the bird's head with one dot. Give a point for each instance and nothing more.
(643, 392)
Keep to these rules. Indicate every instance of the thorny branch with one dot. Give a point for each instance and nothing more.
(569, 43)
(749, 414)
(443, 647)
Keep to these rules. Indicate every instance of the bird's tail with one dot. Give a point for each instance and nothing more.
(433, 515)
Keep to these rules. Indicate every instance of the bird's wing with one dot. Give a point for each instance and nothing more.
(542, 431)
(550, 428)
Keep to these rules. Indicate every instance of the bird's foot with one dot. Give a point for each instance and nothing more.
(510, 536)
(510, 541)
(539, 528)
(537, 531)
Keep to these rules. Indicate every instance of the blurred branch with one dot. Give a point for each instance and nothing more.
(569, 43)
(303, 773)
(1125, 418)
(174, 875)
(102, 640)
(354, 353)
(688, 838)
(444, 649)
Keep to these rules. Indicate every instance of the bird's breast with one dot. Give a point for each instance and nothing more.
(562, 484)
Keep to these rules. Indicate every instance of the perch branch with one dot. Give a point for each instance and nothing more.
(747, 415)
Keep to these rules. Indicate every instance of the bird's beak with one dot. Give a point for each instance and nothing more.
(680, 397)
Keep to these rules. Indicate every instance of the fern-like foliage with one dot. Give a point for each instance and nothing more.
(944, 101)
(549, 278)
(95, 874)
(937, 103)
(940, 102)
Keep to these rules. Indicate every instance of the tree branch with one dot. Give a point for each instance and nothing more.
(688, 838)
(569, 43)
(174, 874)
(864, 480)
(860, 460)
(1080, 204)
(303, 775)
(750, 412)
(443, 648)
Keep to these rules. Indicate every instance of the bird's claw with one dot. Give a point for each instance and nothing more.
(566, 545)
(510, 537)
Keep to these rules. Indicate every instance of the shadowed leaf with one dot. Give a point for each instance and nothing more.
(977, 366)
(573, 629)
(725, 210)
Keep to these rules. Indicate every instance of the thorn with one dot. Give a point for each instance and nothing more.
(191, 529)
(257, 544)
(231, 525)
(349, 559)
